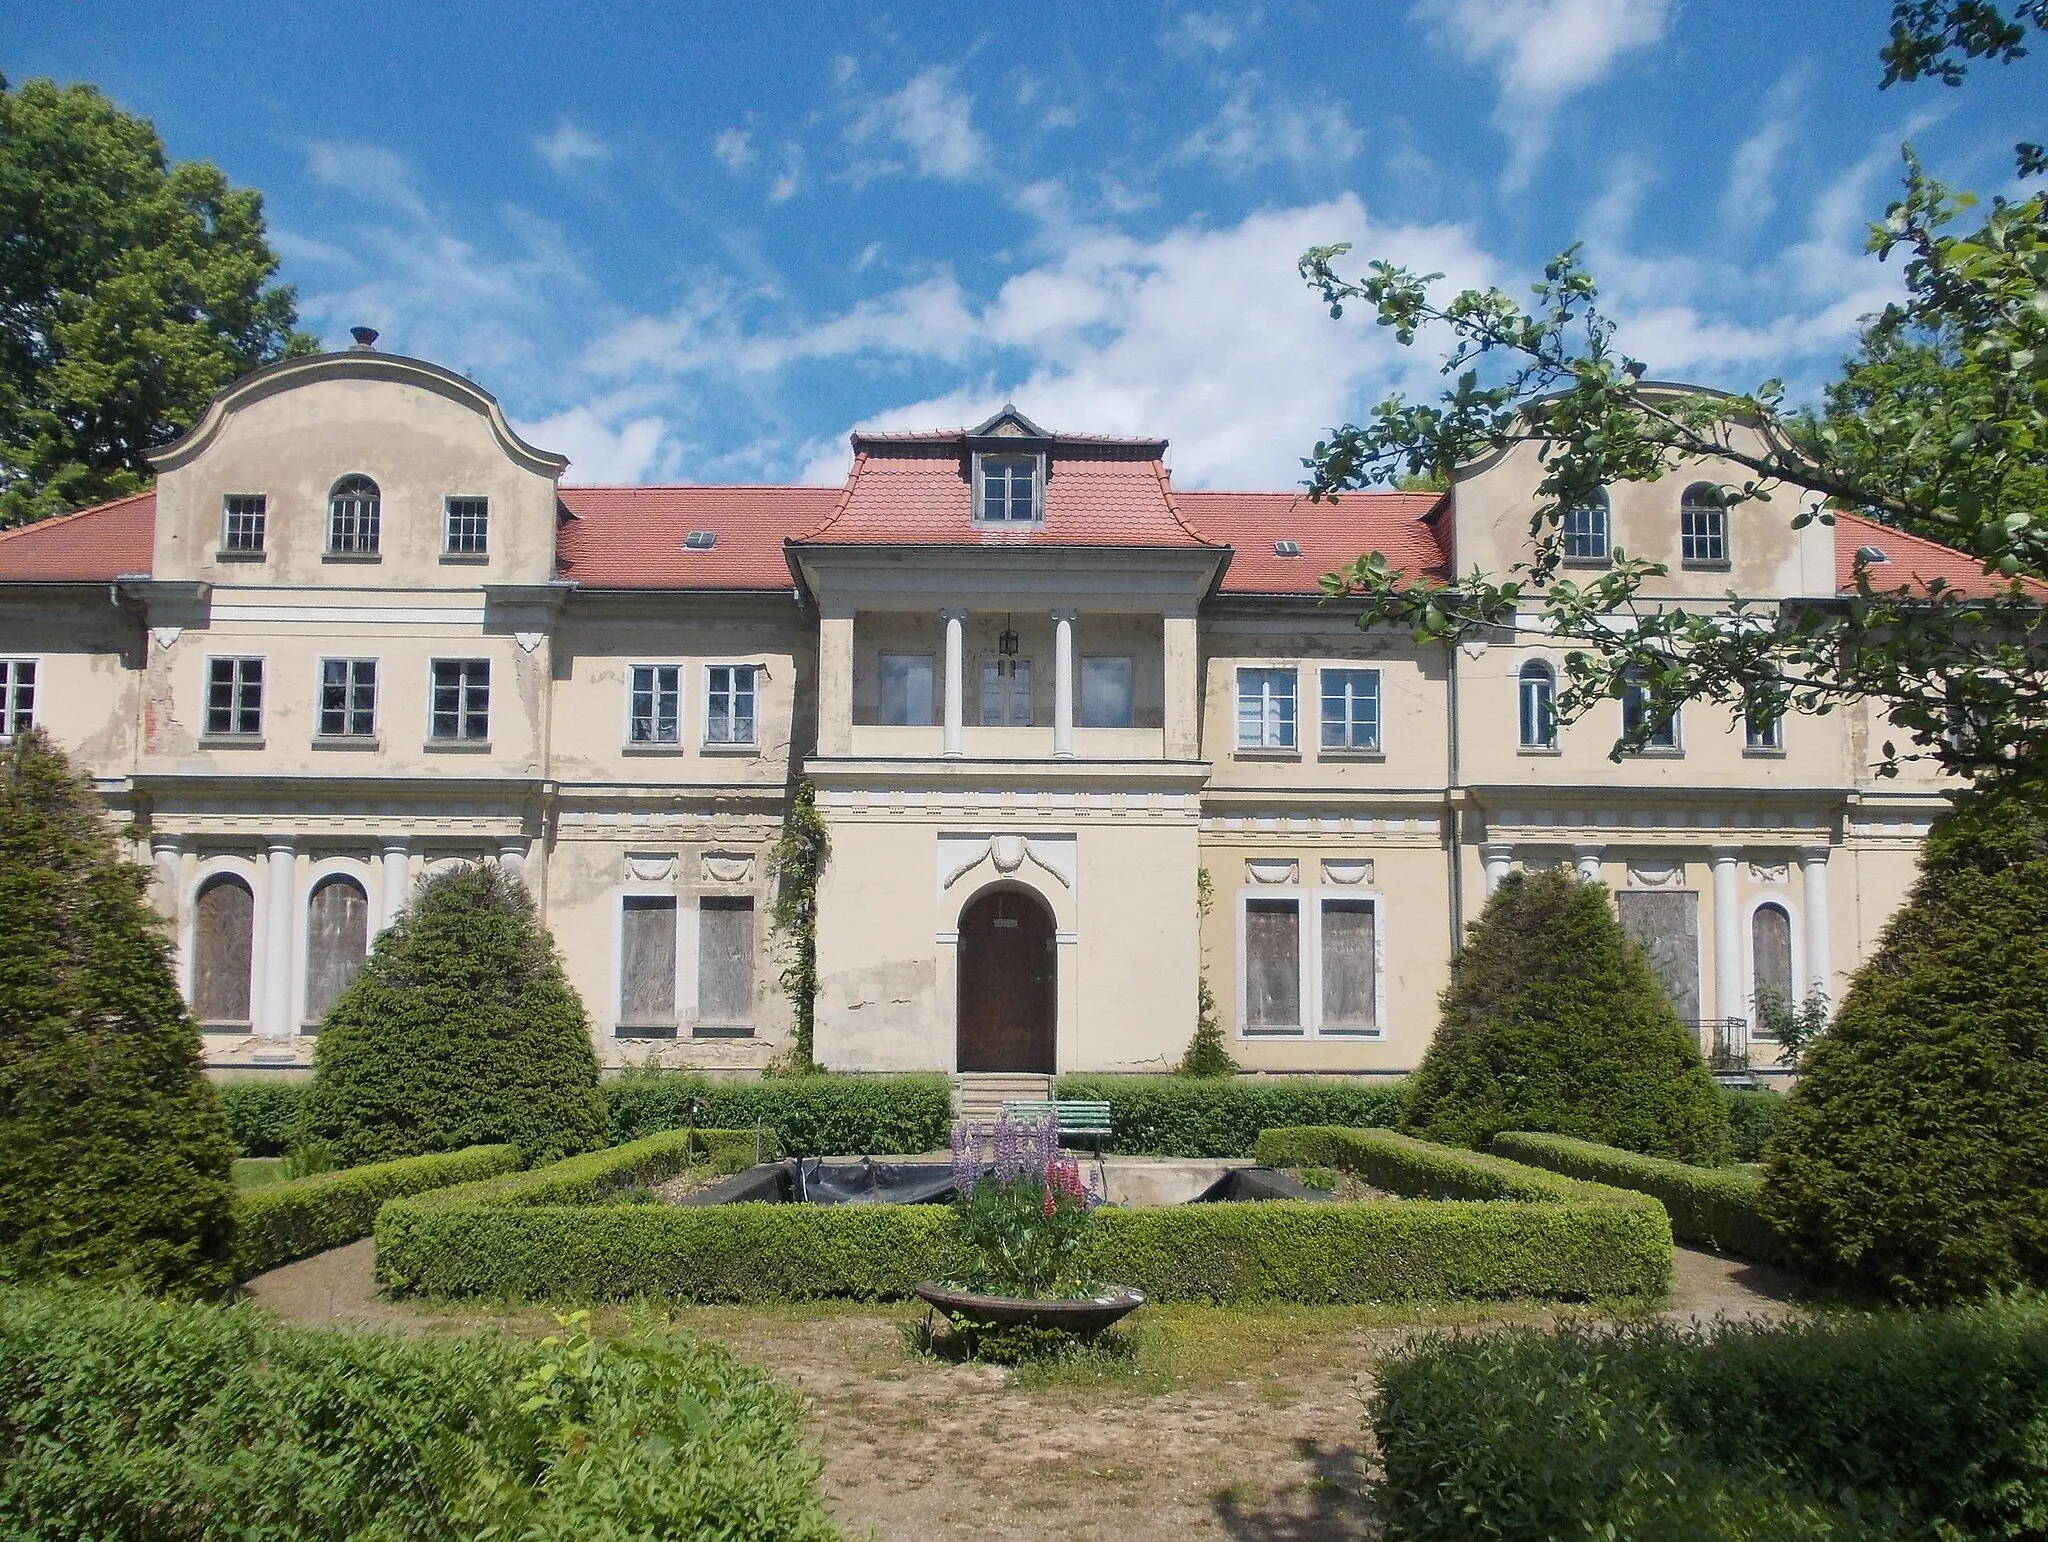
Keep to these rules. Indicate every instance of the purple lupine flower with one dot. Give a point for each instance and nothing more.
(963, 1147)
(1006, 1148)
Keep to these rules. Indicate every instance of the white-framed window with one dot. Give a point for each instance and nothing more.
(1009, 490)
(1106, 693)
(1585, 531)
(466, 526)
(348, 698)
(234, 697)
(1311, 961)
(1763, 730)
(1537, 685)
(648, 966)
(1702, 526)
(1350, 709)
(461, 708)
(906, 689)
(1635, 711)
(17, 697)
(1005, 693)
(242, 520)
(1265, 708)
(355, 512)
(654, 709)
(729, 703)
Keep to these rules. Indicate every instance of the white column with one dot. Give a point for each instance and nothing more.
(1820, 973)
(835, 683)
(955, 680)
(168, 857)
(1728, 1000)
(1586, 862)
(1496, 855)
(1180, 650)
(280, 926)
(512, 857)
(397, 876)
(1063, 683)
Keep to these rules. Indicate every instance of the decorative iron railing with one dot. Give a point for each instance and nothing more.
(1724, 1041)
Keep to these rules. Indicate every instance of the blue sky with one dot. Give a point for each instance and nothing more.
(701, 243)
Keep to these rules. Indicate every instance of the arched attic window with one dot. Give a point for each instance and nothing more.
(1539, 706)
(1585, 530)
(1703, 526)
(354, 513)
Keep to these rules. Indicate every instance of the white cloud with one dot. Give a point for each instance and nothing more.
(1199, 30)
(1250, 132)
(932, 121)
(369, 172)
(569, 147)
(1542, 52)
(597, 451)
(790, 178)
(734, 150)
(1751, 194)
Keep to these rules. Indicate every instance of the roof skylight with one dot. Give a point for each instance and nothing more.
(700, 540)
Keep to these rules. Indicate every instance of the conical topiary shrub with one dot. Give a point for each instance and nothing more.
(1911, 1158)
(1553, 1021)
(461, 1029)
(114, 1153)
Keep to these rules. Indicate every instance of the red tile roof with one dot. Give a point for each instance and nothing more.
(912, 490)
(1912, 561)
(1329, 534)
(632, 537)
(93, 545)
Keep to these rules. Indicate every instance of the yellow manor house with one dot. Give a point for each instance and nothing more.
(1081, 739)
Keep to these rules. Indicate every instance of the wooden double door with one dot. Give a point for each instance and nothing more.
(1009, 984)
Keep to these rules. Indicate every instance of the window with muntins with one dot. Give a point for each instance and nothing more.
(1009, 489)
(1006, 693)
(348, 698)
(468, 527)
(1763, 729)
(1351, 709)
(729, 704)
(17, 696)
(354, 512)
(1105, 693)
(242, 520)
(234, 697)
(1702, 526)
(462, 700)
(1265, 709)
(1585, 531)
(1539, 706)
(1635, 711)
(906, 689)
(1272, 964)
(655, 714)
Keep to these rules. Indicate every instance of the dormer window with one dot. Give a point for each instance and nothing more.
(1009, 490)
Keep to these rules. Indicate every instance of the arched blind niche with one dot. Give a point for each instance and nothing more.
(337, 937)
(222, 941)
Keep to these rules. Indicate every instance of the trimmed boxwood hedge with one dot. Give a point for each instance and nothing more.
(128, 1418)
(263, 1117)
(822, 1115)
(1893, 1425)
(1189, 1116)
(1717, 1207)
(1423, 1169)
(538, 1236)
(280, 1222)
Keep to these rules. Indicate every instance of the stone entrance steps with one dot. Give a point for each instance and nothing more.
(979, 1096)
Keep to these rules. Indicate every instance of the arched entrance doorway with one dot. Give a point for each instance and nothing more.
(1009, 969)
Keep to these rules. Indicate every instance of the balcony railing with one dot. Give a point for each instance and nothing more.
(1725, 1043)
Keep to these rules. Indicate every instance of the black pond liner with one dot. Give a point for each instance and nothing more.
(867, 1182)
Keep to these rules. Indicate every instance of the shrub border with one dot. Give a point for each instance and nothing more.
(1716, 1207)
(537, 1236)
(282, 1222)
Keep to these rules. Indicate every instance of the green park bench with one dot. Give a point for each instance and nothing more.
(1079, 1118)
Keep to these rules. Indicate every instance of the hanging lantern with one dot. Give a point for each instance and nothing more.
(1006, 641)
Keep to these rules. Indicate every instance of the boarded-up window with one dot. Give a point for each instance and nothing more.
(1272, 963)
(223, 933)
(337, 936)
(647, 962)
(725, 960)
(1348, 964)
(1667, 923)
(1770, 940)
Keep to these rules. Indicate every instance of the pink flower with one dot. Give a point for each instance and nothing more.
(1051, 1203)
